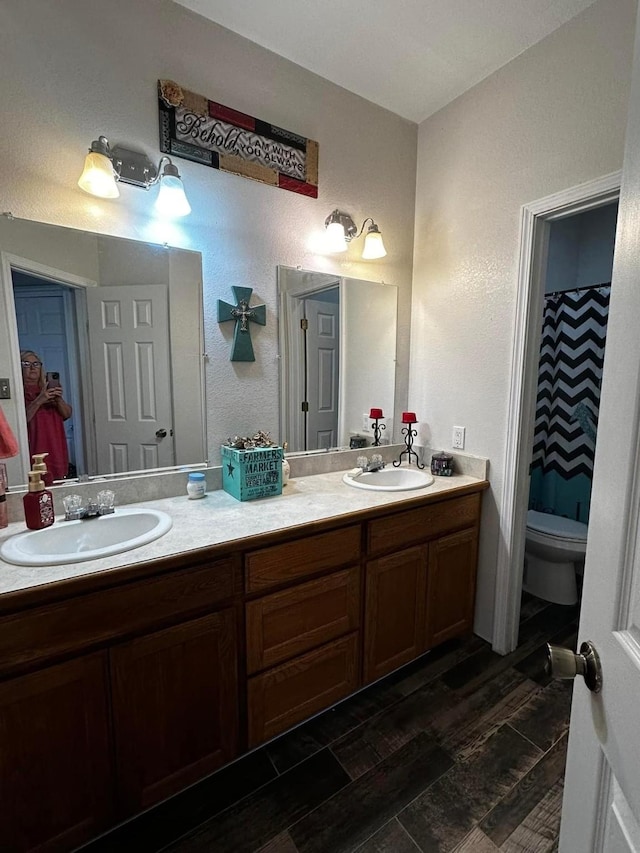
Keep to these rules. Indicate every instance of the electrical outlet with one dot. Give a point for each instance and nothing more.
(5, 389)
(457, 439)
(366, 422)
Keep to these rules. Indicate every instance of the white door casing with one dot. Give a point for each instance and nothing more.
(601, 808)
(131, 377)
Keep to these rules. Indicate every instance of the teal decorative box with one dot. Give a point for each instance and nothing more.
(250, 474)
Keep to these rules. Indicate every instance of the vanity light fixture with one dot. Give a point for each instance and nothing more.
(172, 200)
(105, 167)
(341, 230)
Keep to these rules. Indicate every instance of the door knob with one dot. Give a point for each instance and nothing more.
(563, 663)
(161, 433)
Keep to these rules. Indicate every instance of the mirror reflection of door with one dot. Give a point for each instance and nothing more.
(130, 372)
(351, 379)
(46, 315)
(322, 360)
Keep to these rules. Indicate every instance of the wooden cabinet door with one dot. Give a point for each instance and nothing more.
(395, 604)
(451, 586)
(175, 707)
(55, 769)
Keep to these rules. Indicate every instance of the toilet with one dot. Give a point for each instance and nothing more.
(554, 551)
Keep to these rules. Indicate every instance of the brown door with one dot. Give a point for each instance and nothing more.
(175, 707)
(55, 772)
(395, 611)
(451, 589)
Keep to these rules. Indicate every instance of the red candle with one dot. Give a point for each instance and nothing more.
(374, 414)
(409, 418)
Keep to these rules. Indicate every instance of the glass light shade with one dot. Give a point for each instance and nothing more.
(97, 177)
(373, 246)
(335, 241)
(172, 200)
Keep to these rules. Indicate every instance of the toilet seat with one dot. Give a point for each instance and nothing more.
(556, 526)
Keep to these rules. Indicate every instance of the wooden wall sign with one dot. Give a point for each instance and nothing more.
(195, 128)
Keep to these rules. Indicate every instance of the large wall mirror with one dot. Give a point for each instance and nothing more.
(120, 322)
(337, 339)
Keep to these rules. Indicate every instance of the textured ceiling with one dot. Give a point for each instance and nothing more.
(410, 56)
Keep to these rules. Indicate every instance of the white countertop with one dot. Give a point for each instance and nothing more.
(219, 518)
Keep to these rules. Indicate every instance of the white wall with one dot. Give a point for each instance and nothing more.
(597, 242)
(551, 119)
(580, 251)
(74, 69)
(369, 355)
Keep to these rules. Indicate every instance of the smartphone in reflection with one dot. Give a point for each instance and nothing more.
(53, 379)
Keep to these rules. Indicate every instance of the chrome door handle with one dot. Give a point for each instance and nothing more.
(161, 433)
(563, 663)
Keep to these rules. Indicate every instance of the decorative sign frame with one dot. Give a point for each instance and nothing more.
(195, 128)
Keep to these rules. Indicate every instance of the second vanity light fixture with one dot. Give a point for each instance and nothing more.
(341, 229)
(105, 166)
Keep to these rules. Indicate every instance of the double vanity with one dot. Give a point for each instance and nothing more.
(128, 677)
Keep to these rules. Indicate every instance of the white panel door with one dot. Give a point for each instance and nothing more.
(323, 370)
(131, 381)
(601, 809)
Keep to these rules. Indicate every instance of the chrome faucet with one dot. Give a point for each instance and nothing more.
(75, 508)
(370, 465)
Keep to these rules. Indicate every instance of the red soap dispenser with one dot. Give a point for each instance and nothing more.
(38, 503)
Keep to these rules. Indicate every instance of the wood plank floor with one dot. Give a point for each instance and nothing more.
(463, 751)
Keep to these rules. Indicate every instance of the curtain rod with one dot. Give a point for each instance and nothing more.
(576, 289)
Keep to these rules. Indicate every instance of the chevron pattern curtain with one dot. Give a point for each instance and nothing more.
(574, 333)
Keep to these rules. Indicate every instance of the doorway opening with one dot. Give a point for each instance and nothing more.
(577, 285)
(47, 314)
(536, 248)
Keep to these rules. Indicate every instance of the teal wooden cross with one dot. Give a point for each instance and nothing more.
(242, 349)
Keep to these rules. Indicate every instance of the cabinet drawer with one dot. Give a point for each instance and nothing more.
(416, 525)
(86, 620)
(301, 558)
(288, 694)
(295, 620)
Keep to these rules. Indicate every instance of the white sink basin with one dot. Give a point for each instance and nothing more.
(89, 539)
(390, 480)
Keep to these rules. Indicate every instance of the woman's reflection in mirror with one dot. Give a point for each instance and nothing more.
(46, 412)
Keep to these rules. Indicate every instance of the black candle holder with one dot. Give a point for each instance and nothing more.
(377, 429)
(409, 434)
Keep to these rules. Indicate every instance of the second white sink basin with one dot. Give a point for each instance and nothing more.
(89, 539)
(390, 480)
